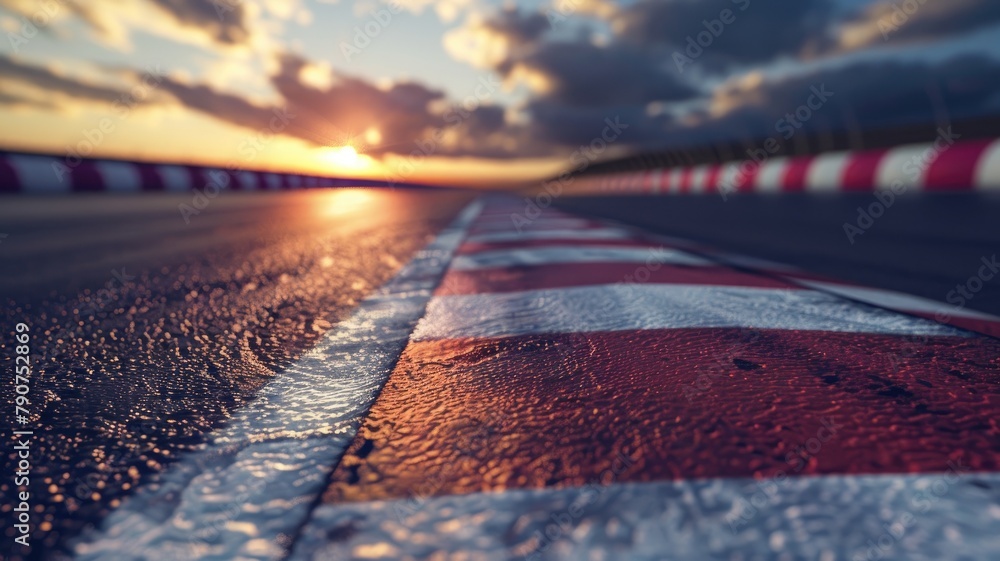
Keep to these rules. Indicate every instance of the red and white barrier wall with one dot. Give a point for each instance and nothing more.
(963, 166)
(32, 173)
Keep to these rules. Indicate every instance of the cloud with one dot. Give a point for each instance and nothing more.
(487, 42)
(15, 100)
(865, 94)
(225, 23)
(349, 106)
(888, 22)
(447, 10)
(581, 73)
(574, 83)
(760, 30)
(46, 80)
(576, 71)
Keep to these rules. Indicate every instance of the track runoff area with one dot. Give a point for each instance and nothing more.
(574, 389)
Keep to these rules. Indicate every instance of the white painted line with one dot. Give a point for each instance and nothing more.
(248, 180)
(826, 172)
(503, 258)
(902, 168)
(37, 174)
(175, 178)
(275, 454)
(954, 518)
(728, 176)
(673, 180)
(572, 234)
(699, 176)
(656, 180)
(622, 307)
(988, 170)
(771, 175)
(120, 176)
(896, 300)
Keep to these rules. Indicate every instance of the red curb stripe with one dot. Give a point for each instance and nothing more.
(197, 177)
(149, 178)
(649, 180)
(236, 182)
(712, 177)
(796, 173)
(686, 177)
(860, 173)
(9, 181)
(85, 178)
(954, 169)
(590, 274)
(552, 411)
(745, 181)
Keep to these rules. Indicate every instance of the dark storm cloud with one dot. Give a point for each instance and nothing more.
(757, 30)
(899, 21)
(558, 125)
(864, 94)
(518, 26)
(581, 73)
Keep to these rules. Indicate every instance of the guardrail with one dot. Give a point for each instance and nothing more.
(931, 167)
(35, 173)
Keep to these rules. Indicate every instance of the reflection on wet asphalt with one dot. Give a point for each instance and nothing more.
(147, 332)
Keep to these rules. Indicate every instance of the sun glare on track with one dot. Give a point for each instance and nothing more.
(347, 201)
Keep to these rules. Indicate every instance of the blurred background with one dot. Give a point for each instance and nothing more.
(483, 93)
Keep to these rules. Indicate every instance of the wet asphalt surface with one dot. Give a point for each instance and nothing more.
(146, 331)
(923, 245)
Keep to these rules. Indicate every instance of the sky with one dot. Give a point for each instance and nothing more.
(474, 92)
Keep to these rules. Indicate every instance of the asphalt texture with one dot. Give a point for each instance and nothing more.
(925, 245)
(147, 331)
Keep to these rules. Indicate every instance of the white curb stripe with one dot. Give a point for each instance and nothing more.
(277, 453)
(175, 178)
(826, 172)
(120, 176)
(38, 172)
(770, 177)
(503, 258)
(900, 167)
(574, 234)
(988, 169)
(830, 518)
(622, 307)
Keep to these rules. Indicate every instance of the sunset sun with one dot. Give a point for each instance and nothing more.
(346, 157)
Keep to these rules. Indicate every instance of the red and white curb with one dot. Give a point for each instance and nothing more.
(30, 173)
(963, 166)
(591, 392)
